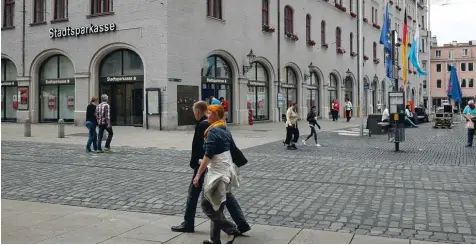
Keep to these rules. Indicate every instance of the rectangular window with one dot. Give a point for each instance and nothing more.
(423, 22)
(351, 4)
(8, 13)
(438, 67)
(450, 54)
(61, 10)
(470, 66)
(265, 12)
(464, 52)
(463, 66)
(438, 83)
(39, 11)
(214, 9)
(463, 83)
(101, 6)
(438, 53)
(471, 82)
(423, 65)
(448, 67)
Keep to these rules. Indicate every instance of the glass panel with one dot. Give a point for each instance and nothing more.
(251, 99)
(111, 65)
(292, 97)
(138, 104)
(66, 102)
(10, 70)
(66, 67)
(49, 102)
(291, 76)
(261, 73)
(3, 100)
(11, 96)
(262, 104)
(222, 68)
(49, 69)
(251, 74)
(132, 63)
(118, 104)
(333, 81)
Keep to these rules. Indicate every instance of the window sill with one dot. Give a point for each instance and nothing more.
(217, 19)
(99, 15)
(38, 23)
(8, 27)
(59, 20)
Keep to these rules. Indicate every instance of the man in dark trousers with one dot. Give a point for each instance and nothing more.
(199, 111)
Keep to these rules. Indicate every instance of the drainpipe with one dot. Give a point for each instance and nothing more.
(279, 59)
(23, 38)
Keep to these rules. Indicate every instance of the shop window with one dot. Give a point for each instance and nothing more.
(60, 9)
(258, 96)
(308, 27)
(39, 11)
(313, 92)
(101, 6)
(288, 19)
(8, 13)
(265, 12)
(215, 9)
(323, 32)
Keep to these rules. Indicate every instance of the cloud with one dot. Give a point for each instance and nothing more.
(453, 20)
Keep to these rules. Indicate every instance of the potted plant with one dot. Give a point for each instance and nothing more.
(366, 20)
(376, 61)
(292, 36)
(398, 8)
(311, 43)
(340, 51)
(376, 26)
(325, 46)
(354, 15)
(353, 54)
(410, 17)
(267, 28)
(391, 2)
(366, 57)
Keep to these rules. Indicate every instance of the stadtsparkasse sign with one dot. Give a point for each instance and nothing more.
(81, 31)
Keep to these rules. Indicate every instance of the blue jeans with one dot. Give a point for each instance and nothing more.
(471, 132)
(92, 137)
(109, 136)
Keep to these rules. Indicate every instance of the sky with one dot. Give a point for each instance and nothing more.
(453, 20)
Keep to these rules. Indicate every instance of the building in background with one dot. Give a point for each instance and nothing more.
(463, 57)
(156, 58)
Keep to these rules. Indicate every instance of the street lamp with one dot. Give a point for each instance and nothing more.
(310, 67)
(251, 60)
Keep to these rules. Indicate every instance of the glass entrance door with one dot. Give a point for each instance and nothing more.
(126, 100)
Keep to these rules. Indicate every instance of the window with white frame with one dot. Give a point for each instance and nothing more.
(438, 53)
(464, 52)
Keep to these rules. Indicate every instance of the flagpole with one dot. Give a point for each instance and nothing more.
(360, 61)
(428, 85)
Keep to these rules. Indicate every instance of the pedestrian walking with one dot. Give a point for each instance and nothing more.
(470, 116)
(348, 109)
(221, 176)
(200, 110)
(292, 131)
(312, 119)
(91, 124)
(103, 116)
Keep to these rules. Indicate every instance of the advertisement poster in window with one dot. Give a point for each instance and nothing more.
(71, 102)
(22, 99)
(51, 102)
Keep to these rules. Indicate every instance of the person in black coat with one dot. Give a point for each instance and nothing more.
(198, 151)
(312, 119)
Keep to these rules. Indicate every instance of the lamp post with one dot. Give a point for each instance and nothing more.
(251, 59)
(360, 61)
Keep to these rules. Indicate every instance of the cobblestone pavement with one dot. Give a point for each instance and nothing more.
(351, 184)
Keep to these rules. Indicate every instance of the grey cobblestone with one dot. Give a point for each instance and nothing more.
(425, 193)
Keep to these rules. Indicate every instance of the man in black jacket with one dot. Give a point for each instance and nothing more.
(199, 111)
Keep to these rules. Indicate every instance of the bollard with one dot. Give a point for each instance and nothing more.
(27, 132)
(61, 128)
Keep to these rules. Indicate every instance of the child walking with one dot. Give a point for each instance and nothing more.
(312, 119)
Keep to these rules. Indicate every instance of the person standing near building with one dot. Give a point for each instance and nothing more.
(385, 114)
(224, 103)
(103, 116)
(91, 124)
(312, 119)
(469, 113)
(214, 101)
(200, 109)
(292, 131)
(348, 109)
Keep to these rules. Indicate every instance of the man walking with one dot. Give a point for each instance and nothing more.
(103, 116)
(199, 111)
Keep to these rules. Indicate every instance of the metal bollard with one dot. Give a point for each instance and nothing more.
(27, 132)
(61, 128)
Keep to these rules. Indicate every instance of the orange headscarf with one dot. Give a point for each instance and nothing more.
(220, 111)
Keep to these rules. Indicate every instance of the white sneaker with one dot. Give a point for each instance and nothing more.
(317, 145)
(304, 142)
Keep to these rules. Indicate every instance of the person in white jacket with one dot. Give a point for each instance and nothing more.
(292, 131)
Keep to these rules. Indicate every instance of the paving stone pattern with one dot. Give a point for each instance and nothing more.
(351, 184)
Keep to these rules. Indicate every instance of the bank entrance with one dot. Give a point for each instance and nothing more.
(122, 79)
(10, 100)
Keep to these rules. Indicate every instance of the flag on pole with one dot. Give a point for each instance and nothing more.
(385, 39)
(415, 49)
(454, 90)
(404, 49)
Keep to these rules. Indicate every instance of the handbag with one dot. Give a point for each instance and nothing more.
(237, 156)
(470, 125)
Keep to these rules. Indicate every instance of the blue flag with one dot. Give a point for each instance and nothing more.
(454, 90)
(414, 51)
(386, 40)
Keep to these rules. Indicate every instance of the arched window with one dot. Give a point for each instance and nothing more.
(351, 42)
(375, 50)
(214, 9)
(323, 32)
(338, 38)
(265, 12)
(289, 88)
(122, 62)
(308, 27)
(217, 68)
(288, 19)
(258, 91)
(313, 92)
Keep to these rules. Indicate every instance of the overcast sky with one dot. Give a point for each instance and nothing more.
(453, 20)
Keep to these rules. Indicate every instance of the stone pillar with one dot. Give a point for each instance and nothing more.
(82, 96)
(275, 110)
(241, 108)
(326, 102)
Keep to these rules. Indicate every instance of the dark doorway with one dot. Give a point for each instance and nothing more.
(126, 100)
(186, 97)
